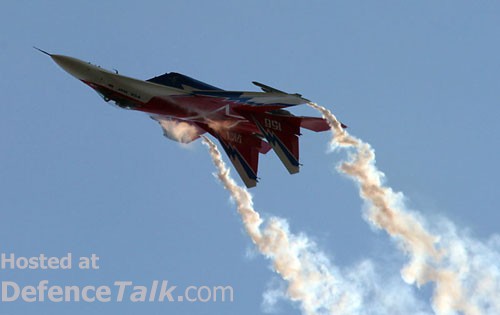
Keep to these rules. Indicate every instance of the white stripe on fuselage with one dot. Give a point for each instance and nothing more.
(139, 90)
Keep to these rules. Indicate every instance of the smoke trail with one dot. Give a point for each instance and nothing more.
(305, 273)
(464, 271)
(177, 130)
(313, 281)
(274, 241)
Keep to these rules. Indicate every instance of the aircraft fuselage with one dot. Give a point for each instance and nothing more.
(134, 94)
(246, 123)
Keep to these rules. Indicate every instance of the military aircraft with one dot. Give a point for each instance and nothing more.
(245, 123)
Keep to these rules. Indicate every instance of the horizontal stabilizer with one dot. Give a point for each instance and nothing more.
(316, 124)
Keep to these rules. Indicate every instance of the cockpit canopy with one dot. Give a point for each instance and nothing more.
(177, 80)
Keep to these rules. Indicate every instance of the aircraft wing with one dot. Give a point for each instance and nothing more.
(260, 101)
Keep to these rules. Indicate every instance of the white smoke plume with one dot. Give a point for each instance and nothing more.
(176, 130)
(312, 281)
(465, 272)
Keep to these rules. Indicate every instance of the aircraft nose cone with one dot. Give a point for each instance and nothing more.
(73, 66)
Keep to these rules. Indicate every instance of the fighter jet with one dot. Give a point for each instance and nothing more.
(246, 123)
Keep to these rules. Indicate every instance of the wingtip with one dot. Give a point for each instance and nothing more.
(42, 51)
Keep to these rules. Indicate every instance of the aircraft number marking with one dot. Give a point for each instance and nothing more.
(235, 137)
(272, 124)
(123, 91)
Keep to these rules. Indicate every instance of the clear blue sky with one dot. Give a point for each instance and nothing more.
(418, 80)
